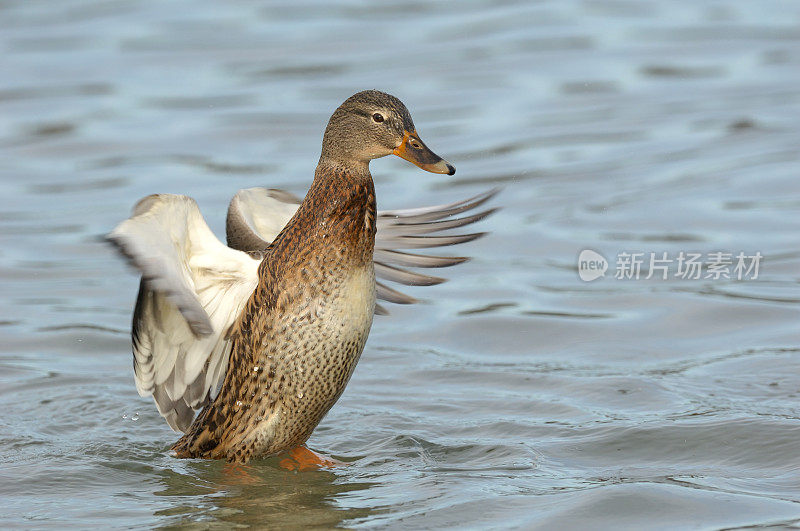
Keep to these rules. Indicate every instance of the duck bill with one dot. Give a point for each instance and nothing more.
(416, 152)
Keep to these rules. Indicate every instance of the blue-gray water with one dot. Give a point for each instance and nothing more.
(517, 395)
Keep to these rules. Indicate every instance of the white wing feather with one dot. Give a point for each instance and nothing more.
(256, 216)
(193, 288)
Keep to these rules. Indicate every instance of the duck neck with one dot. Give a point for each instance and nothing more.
(329, 164)
(341, 190)
(337, 217)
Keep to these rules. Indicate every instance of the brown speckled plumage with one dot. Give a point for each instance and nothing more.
(298, 340)
(285, 322)
(264, 333)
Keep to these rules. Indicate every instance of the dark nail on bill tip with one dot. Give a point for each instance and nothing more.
(451, 170)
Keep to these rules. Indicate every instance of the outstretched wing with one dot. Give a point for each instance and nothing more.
(193, 288)
(257, 215)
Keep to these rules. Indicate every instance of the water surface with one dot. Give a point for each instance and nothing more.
(516, 395)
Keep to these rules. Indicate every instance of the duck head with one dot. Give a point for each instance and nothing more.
(373, 124)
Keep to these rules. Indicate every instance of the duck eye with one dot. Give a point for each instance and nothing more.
(378, 117)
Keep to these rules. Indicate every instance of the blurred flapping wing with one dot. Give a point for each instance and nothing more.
(193, 288)
(256, 216)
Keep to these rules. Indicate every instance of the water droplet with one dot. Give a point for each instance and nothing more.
(300, 394)
(238, 403)
(124, 416)
(135, 416)
(255, 369)
(259, 419)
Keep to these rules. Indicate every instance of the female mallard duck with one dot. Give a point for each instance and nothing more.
(280, 316)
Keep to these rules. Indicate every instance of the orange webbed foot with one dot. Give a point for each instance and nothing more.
(301, 458)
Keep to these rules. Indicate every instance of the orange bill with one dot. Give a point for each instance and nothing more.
(416, 152)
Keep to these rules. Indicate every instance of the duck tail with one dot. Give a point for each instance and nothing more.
(198, 442)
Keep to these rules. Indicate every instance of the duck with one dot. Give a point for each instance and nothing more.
(246, 345)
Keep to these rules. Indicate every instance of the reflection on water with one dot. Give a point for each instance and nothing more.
(516, 395)
(262, 495)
